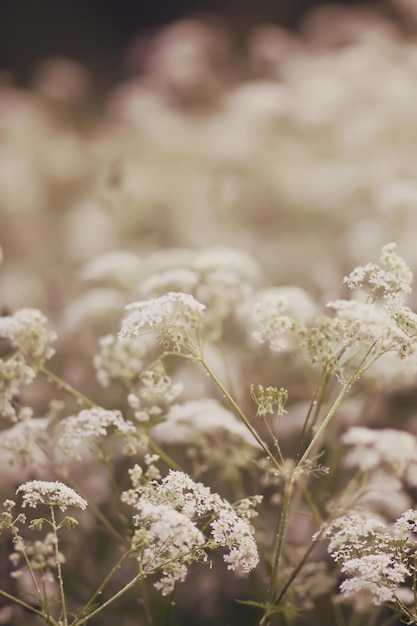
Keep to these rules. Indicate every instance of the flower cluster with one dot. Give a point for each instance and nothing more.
(393, 451)
(167, 521)
(175, 318)
(90, 426)
(24, 345)
(121, 360)
(392, 278)
(49, 493)
(275, 326)
(268, 398)
(377, 559)
(42, 556)
(380, 325)
(220, 278)
(155, 395)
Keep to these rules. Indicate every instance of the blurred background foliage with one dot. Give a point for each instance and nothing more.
(285, 129)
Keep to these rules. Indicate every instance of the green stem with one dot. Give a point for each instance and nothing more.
(59, 570)
(116, 596)
(165, 458)
(239, 412)
(289, 486)
(84, 612)
(81, 398)
(346, 387)
(48, 619)
(40, 597)
(60, 384)
(315, 405)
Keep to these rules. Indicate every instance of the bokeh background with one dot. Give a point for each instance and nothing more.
(273, 143)
(283, 129)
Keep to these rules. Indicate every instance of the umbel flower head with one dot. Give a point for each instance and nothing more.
(376, 321)
(55, 493)
(176, 318)
(377, 559)
(168, 535)
(25, 343)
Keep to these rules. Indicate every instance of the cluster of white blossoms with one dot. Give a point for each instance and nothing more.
(392, 277)
(383, 323)
(21, 448)
(155, 395)
(186, 423)
(388, 449)
(176, 318)
(89, 427)
(377, 559)
(24, 345)
(219, 277)
(168, 536)
(42, 556)
(275, 327)
(122, 360)
(50, 493)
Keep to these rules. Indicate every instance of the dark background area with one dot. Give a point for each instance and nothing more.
(98, 32)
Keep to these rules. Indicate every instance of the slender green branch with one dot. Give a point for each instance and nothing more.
(115, 597)
(314, 406)
(61, 384)
(346, 387)
(289, 486)
(165, 458)
(239, 412)
(84, 612)
(28, 607)
(59, 570)
(40, 597)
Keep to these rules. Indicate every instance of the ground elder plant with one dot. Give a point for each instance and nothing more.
(198, 474)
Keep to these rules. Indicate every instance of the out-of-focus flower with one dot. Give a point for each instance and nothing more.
(175, 318)
(37, 492)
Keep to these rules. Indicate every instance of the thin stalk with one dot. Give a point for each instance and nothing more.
(346, 387)
(289, 486)
(116, 596)
(28, 607)
(314, 405)
(81, 398)
(165, 458)
(61, 384)
(298, 568)
(59, 570)
(99, 590)
(239, 412)
(41, 599)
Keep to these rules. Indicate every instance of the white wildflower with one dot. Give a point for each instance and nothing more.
(88, 427)
(378, 574)
(21, 447)
(185, 423)
(119, 359)
(372, 323)
(37, 492)
(274, 325)
(370, 449)
(27, 331)
(178, 492)
(351, 534)
(406, 524)
(176, 318)
(168, 540)
(120, 268)
(230, 530)
(392, 277)
(24, 340)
